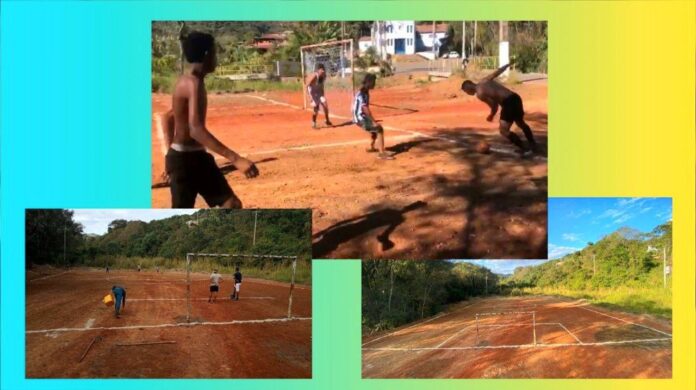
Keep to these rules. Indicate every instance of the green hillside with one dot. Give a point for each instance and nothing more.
(164, 243)
(618, 271)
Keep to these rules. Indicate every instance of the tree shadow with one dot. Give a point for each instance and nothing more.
(500, 201)
(330, 238)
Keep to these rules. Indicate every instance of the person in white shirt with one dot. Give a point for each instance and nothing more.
(215, 279)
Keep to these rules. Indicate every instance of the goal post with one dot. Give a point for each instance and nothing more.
(191, 257)
(337, 58)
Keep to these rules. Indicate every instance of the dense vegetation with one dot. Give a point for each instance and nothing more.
(528, 45)
(164, 243)
(616, 271)
(396, 292)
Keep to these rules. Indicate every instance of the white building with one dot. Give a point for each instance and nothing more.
(404, 37)
(426, 37)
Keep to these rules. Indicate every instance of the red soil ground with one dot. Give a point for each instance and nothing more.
(245, 349)
(438, 199)
(573, 340)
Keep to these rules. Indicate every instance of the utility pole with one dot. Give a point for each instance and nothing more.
(65, 231)
(256, 215)
(463, 40)
(486, 284)
(594, 267)
(434, 55)
(473, 39)
(503, 47)
(664, 267)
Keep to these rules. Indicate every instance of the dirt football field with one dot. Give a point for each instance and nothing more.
(530, 337)
(439, 198)
(70, 333)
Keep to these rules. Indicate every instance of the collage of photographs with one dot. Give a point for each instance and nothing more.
(417, 148)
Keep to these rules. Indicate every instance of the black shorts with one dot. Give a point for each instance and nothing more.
(368, 125)
(193, 173)
(512, 109)
(214, 288)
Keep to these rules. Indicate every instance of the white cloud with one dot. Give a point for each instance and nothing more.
(573, 237)
(96, 221)
(557, 251)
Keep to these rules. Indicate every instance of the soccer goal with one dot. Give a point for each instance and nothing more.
(274, 267)
(337, 58)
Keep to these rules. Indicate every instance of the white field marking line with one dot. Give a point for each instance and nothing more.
(408, 327)
(628, 322)
(453, 336)
(570, 333)
(183, 299)
(48, 276)
(416, 324)
(524, 346)
(190, 324)
(392, 128)
(319, 146)
(504, 313)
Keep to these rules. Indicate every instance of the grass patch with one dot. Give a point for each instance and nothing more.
(633, 299)
(164, 83)
(277, 270)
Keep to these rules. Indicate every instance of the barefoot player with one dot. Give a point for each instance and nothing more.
(189, 168)
(315, 87)
(494, 94)
(362, 116)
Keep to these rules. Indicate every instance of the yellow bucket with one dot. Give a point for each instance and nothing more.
(108, 300)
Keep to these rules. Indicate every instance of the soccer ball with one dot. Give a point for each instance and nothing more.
(483, 147)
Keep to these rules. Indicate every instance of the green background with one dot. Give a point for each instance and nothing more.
(75, 133)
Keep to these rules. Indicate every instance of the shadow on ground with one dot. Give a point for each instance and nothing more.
(500, 200)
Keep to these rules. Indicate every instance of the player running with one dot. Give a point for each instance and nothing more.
(189, 168)
(362, 116)
(315, 87)
(237, 284)
(494, 94)
(215, 279)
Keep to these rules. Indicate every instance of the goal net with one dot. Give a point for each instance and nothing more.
(339, 86)
(269, 277)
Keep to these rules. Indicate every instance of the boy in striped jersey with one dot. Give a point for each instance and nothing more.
(362, 116)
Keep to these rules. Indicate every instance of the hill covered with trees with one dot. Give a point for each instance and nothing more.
(396, 292)
(165, 242)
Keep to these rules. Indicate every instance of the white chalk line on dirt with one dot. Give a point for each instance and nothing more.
(416, 324)
(628, 322)
(183, 299)
(48, 276)
(570, 333)
(180, 325)
(523, 346)
(413, 133)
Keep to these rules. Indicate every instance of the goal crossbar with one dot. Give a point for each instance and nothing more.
(344, 43)
(190, 256)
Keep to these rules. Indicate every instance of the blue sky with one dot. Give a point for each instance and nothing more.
(573, 222)
(96, 221)
(502, 266)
